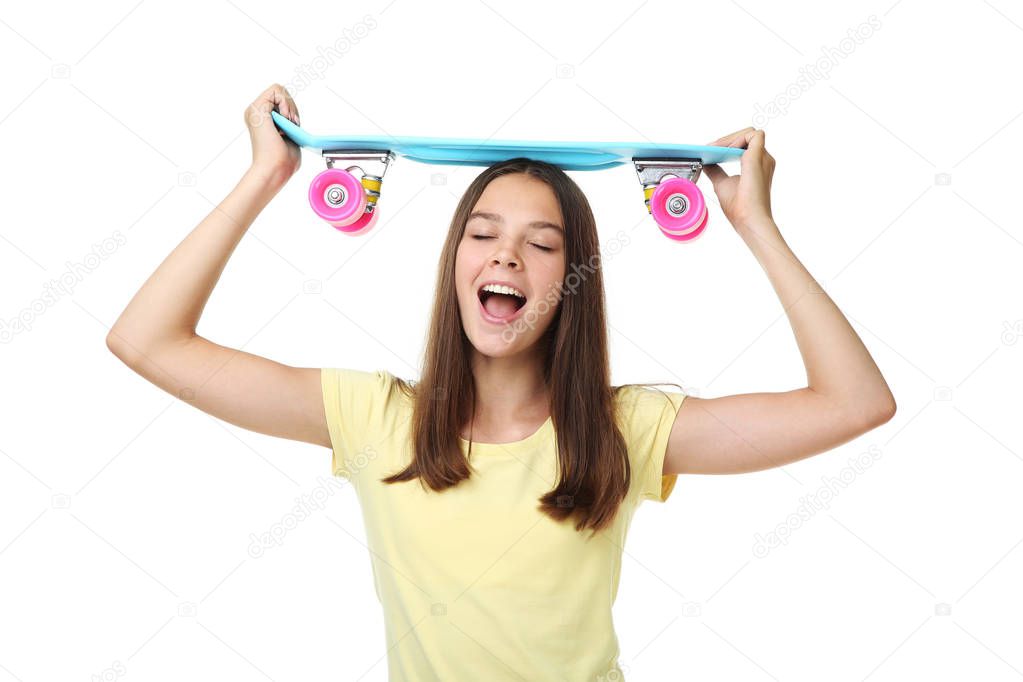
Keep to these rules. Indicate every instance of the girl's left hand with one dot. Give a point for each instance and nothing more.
(745, 198)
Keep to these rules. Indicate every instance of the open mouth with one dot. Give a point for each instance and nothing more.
(500, 305)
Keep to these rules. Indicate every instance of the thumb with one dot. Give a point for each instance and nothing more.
(715, 173)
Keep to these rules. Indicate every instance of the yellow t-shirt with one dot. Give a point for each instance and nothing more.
(475, 582)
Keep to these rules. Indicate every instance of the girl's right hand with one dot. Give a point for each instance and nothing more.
(274, 157)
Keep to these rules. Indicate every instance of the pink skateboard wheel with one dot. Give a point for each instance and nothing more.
(337, 196)
(363, 224)
(688, 236)
(678, 207)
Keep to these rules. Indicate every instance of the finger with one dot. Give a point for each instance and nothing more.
(294, 108)
(274, 99)
(754, 144)
(716, 173)
(725, 138)
(289, 104)
(280, 101)
(752, 160)
(730, 139)
(755, 140)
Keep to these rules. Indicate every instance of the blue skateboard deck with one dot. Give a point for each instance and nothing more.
(469, 152)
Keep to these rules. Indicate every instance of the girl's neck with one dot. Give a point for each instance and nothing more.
(509, 390)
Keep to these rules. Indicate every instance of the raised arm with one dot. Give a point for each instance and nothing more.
(845, 395)
(155, 335)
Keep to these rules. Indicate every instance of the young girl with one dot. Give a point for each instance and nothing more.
(498, 489)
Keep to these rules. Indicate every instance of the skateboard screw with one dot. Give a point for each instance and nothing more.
(677, 204)
(335, 195)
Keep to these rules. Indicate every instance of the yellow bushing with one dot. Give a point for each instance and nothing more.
(648, 191)
(372, 187)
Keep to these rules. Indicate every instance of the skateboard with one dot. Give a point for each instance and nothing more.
(346, 194)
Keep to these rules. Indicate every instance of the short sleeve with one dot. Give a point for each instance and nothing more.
(648, 415)
(360, 409)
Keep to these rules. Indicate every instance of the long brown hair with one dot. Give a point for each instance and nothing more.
(594, 472)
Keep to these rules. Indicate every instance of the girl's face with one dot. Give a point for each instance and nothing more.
(515, 236)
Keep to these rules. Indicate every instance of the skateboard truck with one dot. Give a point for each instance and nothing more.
(671, 195)
(343, 200)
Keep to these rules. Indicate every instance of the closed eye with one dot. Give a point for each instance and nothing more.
(484, 236)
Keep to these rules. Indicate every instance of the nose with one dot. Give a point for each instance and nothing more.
(504, 255)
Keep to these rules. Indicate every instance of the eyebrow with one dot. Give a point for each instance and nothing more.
(537, 224)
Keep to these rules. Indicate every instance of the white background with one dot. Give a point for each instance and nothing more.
(127, 514)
